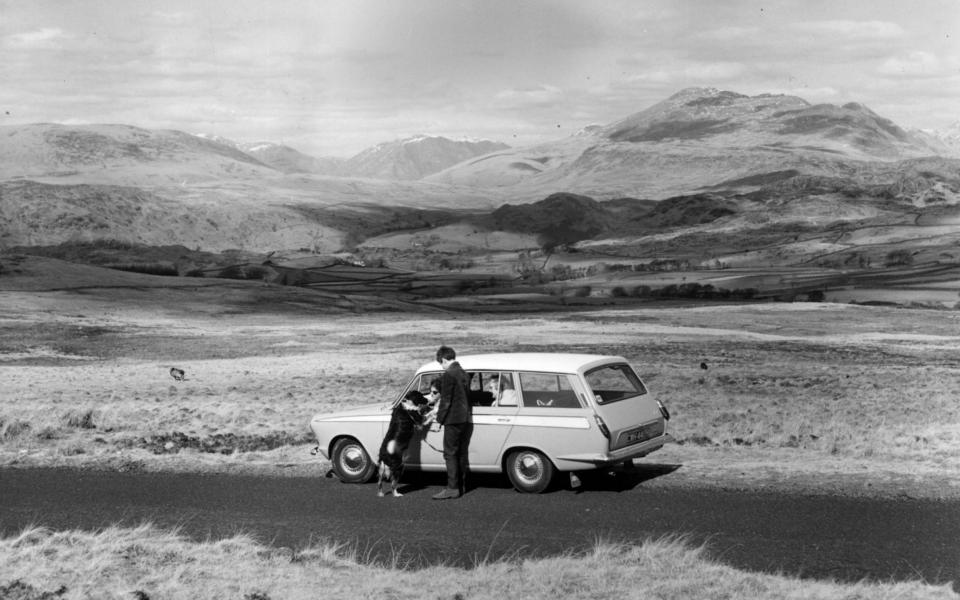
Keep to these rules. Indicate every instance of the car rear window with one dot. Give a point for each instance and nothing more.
(614, 382)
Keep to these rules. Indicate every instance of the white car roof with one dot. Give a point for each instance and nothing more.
(528, 361)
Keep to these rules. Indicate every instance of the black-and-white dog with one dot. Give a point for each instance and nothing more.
(407, 417)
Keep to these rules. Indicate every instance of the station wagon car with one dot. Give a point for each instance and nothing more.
(534, 415)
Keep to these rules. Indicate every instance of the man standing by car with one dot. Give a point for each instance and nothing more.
(453, 413)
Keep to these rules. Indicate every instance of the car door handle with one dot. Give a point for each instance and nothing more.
(503, 420)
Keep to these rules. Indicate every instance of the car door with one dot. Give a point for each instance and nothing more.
(491, 426)
(629, 412)
(493, 418)
(426, 445)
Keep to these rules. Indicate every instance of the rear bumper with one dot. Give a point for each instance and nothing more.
(577, 462)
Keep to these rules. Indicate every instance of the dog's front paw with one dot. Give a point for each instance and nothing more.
(397, 494)
(380, 494)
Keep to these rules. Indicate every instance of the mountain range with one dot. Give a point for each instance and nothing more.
(700, 139)
(406, 159)
(703, 161)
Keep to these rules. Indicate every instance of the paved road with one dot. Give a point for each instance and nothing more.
(812, 536)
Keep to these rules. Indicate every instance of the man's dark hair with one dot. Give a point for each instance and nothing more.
(446, 352)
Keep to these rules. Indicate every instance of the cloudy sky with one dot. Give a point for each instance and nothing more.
(332, 77)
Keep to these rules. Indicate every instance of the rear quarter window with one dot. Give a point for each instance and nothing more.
(548, 390)
(610, 383)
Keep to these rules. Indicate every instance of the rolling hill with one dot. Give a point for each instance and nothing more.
(707, 174)
(290, 160)
(415, 157)
(697, 139)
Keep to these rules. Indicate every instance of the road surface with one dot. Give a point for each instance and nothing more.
(813, 536)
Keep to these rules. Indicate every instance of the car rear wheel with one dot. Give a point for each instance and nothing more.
(351, 462)
(530, 471)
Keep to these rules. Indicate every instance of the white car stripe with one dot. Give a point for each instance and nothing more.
(355, 419)
(519, 420)
(532, 421)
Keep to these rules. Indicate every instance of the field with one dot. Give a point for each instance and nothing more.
(813, 397)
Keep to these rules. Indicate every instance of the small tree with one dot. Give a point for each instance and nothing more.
(898, 258)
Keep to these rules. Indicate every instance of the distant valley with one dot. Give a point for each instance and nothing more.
(709, 181)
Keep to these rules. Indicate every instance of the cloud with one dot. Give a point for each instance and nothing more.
(730, 33)
(687, 73)
(173, 17)
(532, 96)
(860, 30)
(40, 38)
(913, 64)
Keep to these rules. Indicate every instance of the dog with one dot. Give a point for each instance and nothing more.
(407, 417)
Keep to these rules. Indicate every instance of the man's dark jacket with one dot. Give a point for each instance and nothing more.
(454, 407)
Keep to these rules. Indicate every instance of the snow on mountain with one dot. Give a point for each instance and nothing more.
(945, 142)
(415, 157)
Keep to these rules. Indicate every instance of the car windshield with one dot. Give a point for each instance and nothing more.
(614, 382)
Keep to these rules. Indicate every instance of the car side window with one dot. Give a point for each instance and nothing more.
(477, 393)
(548, 390)
(494, 388)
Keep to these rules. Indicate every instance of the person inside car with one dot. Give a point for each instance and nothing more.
(502, 389)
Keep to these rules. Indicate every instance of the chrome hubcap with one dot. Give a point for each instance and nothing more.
(353, 459)
(529, 467)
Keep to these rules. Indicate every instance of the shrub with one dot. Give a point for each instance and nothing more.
(582, 291)
(619, 292)
(668, 291)
(12, 429)
(689, 290)
(80, 419)
(898, 258)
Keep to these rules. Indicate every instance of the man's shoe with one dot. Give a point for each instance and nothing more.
(447, 494)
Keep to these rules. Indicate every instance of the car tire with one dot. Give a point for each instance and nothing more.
(351, 462)
(530, 471)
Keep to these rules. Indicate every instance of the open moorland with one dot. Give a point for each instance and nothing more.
(832, 397)
(807, 397)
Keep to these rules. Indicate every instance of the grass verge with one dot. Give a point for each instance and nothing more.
(149, 563)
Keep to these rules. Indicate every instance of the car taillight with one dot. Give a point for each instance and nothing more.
(663, 410)
(602, 426)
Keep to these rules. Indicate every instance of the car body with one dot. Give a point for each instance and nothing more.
(566, 413)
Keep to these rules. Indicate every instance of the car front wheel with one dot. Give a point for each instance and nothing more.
(529, 471)
(351, 462)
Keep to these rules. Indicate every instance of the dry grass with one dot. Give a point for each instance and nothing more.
(146, 562)
(823, 395)
(797, 388)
